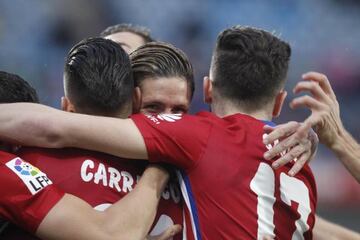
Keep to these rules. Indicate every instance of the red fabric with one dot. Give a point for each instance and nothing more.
(17, 203)
(100, 178)
(221, 157)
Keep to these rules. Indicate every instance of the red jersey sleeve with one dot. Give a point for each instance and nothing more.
(174, 138)
(27, 195)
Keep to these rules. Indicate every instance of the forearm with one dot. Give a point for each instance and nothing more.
(348, 151)
(135, 213)
(119, 137)
(38, 125)
(325, 230)
(28, 124)
(130, 218)
(72, 218)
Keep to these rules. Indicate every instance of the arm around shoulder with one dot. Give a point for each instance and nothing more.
(30, 124)
(38, 125)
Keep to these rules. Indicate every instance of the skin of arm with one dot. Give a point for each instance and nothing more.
(347, 150)
(325, 119)
(130, 218)
(42, 126)
(325, 230)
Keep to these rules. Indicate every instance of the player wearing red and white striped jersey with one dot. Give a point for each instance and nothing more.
(227, 184)
(31, 201)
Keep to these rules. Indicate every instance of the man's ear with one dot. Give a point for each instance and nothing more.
(207, 87)
(66, 105)
(136, 100)
(279, 102)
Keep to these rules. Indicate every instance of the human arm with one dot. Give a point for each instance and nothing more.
(38, 125)
(325, 119)
(30, 200)
(129, 218)
(42, 126)
(325, 230)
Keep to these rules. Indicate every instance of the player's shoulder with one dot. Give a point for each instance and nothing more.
(5, 157)
(240, 120)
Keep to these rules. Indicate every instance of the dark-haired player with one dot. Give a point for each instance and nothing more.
(98, 81)
(30, 200)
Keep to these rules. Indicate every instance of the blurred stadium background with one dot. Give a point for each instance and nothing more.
(324, 34)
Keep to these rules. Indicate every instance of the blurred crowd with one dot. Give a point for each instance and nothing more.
(36, 35)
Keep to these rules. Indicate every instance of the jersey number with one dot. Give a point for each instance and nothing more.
(291, 189)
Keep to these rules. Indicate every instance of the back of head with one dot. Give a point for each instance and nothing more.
(98, 78)
(161, 60)
(15, 89)
(141, 31)
(249, 66)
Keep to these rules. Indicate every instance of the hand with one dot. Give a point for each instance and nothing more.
(293, 145)
(325, 113)
(168, 234)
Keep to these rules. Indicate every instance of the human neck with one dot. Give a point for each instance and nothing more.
(225, 108)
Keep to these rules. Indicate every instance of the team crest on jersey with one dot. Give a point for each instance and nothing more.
(33, 178)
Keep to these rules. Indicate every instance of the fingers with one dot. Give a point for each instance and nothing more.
(168, 233)
(299, 163)
(268, 129)
(293, 154)
(308, 102)
(314, 88)
(322, 80)
(295, 145)
(279, 132)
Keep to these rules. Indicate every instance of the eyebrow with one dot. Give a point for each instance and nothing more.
(153, 102)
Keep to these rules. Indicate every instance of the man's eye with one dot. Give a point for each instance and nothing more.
(152, 108)
(179, 110)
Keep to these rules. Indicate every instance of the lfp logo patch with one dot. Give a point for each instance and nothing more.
(34, 179)
(25, 168)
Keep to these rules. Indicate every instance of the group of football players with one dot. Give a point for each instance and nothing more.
(83, 172)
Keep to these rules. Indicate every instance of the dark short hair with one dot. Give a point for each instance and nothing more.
(97, 77)
(15, 89)
(249, 65)
(158, 59)
(126, 27)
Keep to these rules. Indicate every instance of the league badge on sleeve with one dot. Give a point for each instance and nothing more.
(34, 179)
